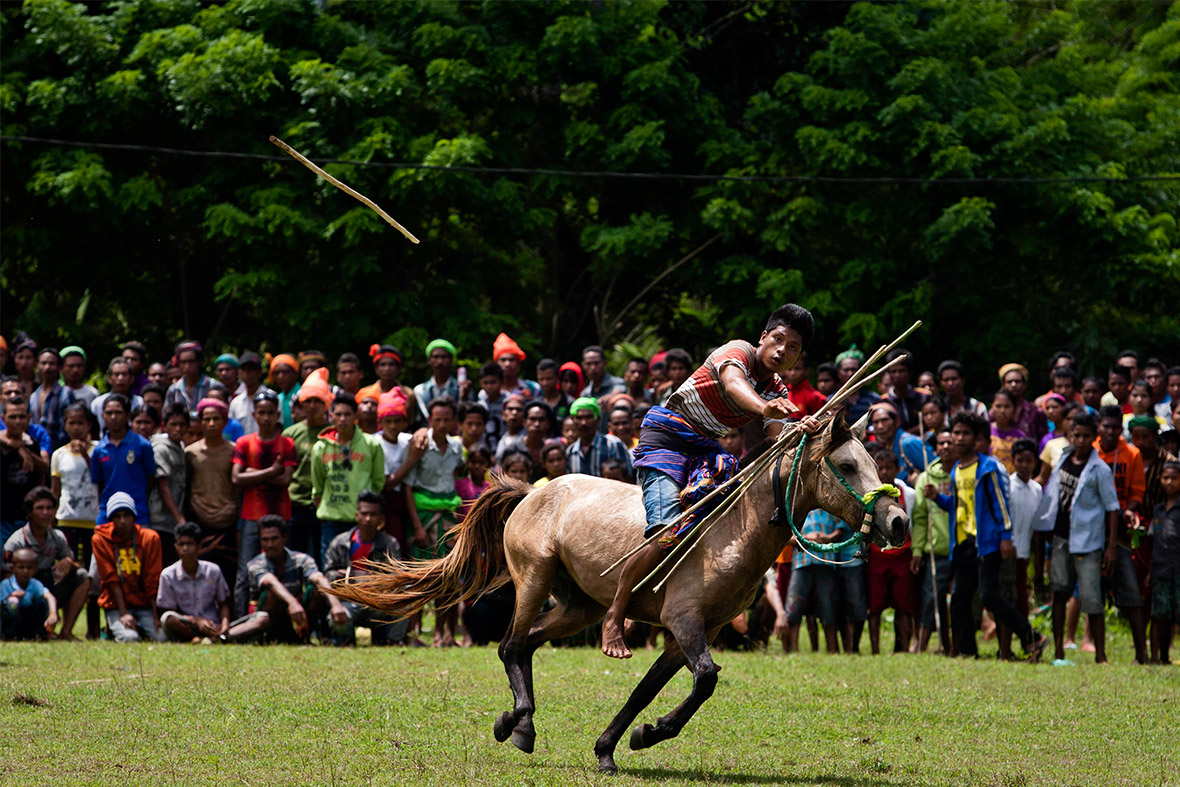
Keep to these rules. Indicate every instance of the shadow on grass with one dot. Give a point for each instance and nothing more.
(698, 775)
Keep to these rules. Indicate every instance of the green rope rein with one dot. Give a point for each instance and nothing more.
(868, 500)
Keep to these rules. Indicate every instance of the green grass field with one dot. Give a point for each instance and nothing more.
(173, 714)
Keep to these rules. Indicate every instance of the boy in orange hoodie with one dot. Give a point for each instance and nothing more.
(129, 565)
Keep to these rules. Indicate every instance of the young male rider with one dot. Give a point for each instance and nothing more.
(737, 383)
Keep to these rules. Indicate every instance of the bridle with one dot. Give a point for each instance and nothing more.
(783, 511)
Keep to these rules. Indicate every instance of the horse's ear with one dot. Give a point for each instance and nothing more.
(860, 427)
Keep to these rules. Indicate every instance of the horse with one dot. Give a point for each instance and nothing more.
(557, 540)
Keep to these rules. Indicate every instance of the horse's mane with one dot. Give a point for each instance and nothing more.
(836, 434)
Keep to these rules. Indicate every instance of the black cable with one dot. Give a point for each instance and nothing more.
(601, 174)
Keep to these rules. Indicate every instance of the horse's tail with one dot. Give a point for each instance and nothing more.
(474, 565)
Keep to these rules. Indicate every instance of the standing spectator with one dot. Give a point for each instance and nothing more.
(934, 420)
(193, 598)
(635, 379)
(122, 462)
(395, 444)
(1173, 387)
(930, 529)
(954, 387)
(1092, 389)
(347, 557)
(890, 582)
(1026, 497)
(431, 496)
(981, 533)
(1054, 407)
(1027, 417)
(388, 362)
(1165, 564)
(591, 449)
(553, 461)
(56, 568)
(288, 593)
(1140, 401)
(135, 354)
(315, 398)
(557, 400)
(263, 464)
(508, 355)
(1003, 431)
(23, 465)
(119, 378)
(153, 396)
(366, 411)
(242, 406)
(193, 385)
(24, 363)
(514, 432)
(1063, 381)
(73, 376)
(1155, 373)
(168, 497)
(538, 425)
(348, 374)
(77, 508)
(1080, 507)
(472, 485)
(45, 407)
(906, 400)
(621, 427)
(344, 462)
(473, 421)
(886, 421)
(212, 497)
(157, 374)
(145, 421)
(492, 397)
(679, 368)
(811, 588)
(440, 354)
(827, 378)
(129, 565)
(1118, 383)
(599, 382)
(847, 364)
(803, 394)
(226, 368)
(570, 380)
(309, 361)
(282, 377)
(27, 609)
(10, 389)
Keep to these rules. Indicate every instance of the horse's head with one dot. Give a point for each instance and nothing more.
(842, 473)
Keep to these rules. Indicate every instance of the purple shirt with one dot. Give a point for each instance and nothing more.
(200, 595)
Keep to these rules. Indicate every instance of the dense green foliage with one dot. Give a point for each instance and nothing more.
(102, 245)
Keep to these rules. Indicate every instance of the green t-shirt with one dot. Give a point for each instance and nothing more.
(304, 438)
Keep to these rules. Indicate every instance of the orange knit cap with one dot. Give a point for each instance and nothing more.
(505, 346)
(278, 359)
(316, 386)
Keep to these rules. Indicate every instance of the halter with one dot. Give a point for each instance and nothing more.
(868, 500)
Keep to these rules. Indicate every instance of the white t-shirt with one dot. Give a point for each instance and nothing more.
(79, 497)
(395, 453)
(1024, 499)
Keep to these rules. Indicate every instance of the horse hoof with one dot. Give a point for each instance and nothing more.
(523, 741)
(637, 737)
(608, 767)
(503, 726)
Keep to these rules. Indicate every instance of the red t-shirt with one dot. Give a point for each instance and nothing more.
(252, 453)
(806, 398)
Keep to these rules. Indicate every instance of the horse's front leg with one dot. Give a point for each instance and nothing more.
(668, 664)
(694, 642)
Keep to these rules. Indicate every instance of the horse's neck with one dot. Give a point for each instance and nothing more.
(760, 541)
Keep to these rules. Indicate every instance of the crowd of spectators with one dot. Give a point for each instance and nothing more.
(194, 507)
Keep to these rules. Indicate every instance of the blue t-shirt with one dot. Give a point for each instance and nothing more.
(125, 467)
(36, 431)
(33, 593)
(233, 430)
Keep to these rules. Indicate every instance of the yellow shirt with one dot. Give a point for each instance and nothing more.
(965, 492)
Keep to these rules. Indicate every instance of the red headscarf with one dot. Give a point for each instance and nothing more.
(571, 366)
(505, 346)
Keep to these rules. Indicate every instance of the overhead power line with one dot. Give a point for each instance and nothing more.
(603, 174)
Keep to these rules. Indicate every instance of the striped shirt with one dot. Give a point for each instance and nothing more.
(604, 447)
(703, 400)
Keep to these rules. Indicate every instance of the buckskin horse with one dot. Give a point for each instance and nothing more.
(559, 539)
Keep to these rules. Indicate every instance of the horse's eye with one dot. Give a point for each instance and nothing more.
(848, 467)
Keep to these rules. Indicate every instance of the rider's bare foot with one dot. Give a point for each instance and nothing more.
(614, 644)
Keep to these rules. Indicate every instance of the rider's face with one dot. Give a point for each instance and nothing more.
(780, 348)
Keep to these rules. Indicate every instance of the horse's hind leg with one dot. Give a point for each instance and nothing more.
(658, 675)
(695, 644)
(532, 588)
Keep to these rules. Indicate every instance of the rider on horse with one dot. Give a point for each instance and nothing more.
(737, 383)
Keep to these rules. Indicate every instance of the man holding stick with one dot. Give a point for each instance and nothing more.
(737, 383)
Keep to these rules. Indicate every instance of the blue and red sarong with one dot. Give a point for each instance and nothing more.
(696, 463)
